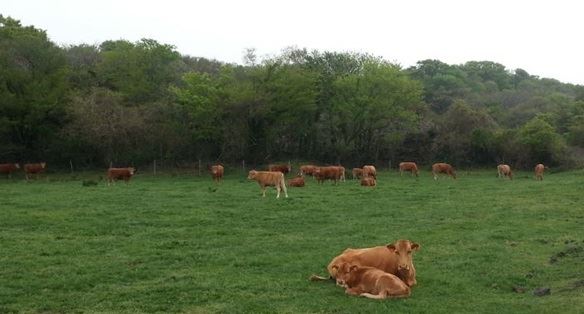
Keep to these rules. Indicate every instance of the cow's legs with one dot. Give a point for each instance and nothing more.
(284, 188)
(264, 191)
(278, 190)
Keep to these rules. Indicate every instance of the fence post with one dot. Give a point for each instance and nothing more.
(243, 165)
(71, 164)
(154, 166)
(199, 167)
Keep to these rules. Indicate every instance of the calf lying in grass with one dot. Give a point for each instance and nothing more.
(371, 282)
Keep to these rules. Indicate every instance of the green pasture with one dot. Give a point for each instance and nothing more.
(179, 243)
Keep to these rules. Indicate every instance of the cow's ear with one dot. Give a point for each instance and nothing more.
(415, 246)
(391, 247)
(335, 267)
(353, 268)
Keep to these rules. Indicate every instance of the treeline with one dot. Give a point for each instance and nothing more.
(127, 102)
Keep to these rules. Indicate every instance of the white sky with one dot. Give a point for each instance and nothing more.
(545, 38)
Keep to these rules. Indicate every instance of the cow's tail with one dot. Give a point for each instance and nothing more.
(319, 278)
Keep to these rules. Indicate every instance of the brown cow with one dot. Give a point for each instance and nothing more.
(369, 171)
(442, 168)
(34, 169)
(394, 258)
(269, 178)
(297, 182)
(504, 171)
(408, 166)
(282, 168)
(333, 173)
(9, 169)
(371, 282)
(368, 181)
(217, 172)
(539, 169)
(357, 173)
(307, 170)
(114, 174)
(342, 170)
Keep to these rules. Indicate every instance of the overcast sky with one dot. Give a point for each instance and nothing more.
(545, 38)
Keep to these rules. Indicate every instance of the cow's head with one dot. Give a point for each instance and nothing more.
(214, 169)
(132, 170)
(17, 165)
(252, 174)
(43, 165)
(403, 250)
(345, 271)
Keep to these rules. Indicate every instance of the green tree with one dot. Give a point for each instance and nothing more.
(542, 142)
(33, 89)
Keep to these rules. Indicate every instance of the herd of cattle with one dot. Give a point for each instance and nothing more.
(379, 272)
(275, 175)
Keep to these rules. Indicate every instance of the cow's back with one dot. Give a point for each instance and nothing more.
(378, 257)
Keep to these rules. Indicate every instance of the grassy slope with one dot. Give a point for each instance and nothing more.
(180, 244)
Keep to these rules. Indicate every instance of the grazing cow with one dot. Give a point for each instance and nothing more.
(269, 178)
(114, 174)
(368, 181)
(357, 173)
(504, 171)
(217, 172)
(307, 170)
(282, 168)
(371, 282)
(9, 169)
(394, 258)
(369, 171)
(297, 182)
(333, 173)
(539, 169)
(408, 166)
(442, 168)
(34, 169)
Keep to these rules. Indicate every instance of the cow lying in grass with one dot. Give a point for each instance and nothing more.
(394, 258)
(371, 282)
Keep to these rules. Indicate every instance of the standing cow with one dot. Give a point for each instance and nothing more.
(539, 169)
(357, 173)
(408, 166)
(34, 169)
(217, 172)
(443, 168)
(114, 174)
(307, 170)
(369, 171)
(504, 171)
(269, 178)
(9, 169)
(333, 173)
(282, 168)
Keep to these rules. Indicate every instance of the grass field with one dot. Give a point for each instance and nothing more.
(184, 244)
